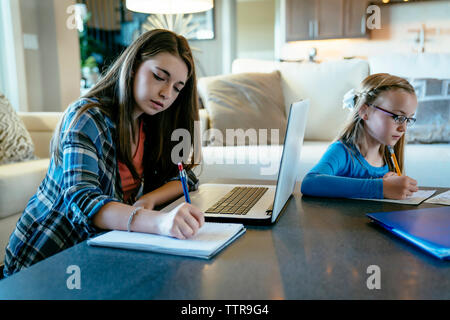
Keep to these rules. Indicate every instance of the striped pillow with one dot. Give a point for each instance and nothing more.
(433, 112)
(15, 141)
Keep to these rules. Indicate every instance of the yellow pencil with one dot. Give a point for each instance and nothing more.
(394, 160)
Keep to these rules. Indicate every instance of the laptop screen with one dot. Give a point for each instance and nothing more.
(290, 159)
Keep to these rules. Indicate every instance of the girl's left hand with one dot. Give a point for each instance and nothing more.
(145, 202)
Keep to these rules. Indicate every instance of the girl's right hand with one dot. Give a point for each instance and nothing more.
(390, 174)
(398, 187)
(182, 222)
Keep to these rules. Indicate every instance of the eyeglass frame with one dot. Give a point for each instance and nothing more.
(397, 118)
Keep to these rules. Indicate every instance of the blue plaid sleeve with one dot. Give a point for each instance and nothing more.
(85, 176)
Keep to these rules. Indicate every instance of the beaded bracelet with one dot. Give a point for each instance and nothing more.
(131, 217)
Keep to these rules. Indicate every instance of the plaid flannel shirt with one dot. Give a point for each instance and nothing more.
(60, 214)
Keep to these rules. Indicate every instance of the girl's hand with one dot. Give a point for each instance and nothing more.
(389, 174)
(398, 187)
(182, 222)
(145, 202)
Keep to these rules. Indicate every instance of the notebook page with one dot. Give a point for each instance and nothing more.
(443, 198)
(415, 199)
(209, 237)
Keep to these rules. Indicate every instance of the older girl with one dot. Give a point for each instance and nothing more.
(111, 156)
(358, 164)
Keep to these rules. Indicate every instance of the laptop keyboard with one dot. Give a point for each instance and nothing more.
(238, 201)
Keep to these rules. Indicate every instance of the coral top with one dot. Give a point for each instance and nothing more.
(130, 186)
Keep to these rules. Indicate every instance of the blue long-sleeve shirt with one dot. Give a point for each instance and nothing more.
(342, 173)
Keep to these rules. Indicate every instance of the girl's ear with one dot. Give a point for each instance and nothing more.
(364, 112)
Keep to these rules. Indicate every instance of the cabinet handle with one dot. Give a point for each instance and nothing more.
(363, 25)
(316, 28)
(311, 29)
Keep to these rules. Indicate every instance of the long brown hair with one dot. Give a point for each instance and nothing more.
(114, 91)
(371, 87)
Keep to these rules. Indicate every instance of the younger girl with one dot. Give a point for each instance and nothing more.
(358, 164)
(111, 156)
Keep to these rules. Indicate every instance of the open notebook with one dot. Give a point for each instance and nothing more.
(415, 199)
(442, 198)
(210, 239)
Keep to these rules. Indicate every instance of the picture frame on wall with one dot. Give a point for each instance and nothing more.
(205, 25)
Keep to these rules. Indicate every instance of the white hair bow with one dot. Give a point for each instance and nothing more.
(349, 100)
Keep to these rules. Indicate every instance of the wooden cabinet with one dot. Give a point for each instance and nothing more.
(329, 22)
(299, 17)
(325, 19)
(355, 18)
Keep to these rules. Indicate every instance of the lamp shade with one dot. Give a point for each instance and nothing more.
(169, 6)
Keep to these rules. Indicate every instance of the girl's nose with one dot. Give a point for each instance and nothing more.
(402, 127)
(165, 92)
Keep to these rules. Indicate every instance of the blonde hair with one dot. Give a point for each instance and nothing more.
(352, 135)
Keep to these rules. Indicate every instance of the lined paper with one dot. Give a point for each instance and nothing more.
(442, 198)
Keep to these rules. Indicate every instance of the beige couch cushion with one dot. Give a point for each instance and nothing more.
(41, 126)
(325, 84)
(18, 182)
(15, 141)
(250, 102)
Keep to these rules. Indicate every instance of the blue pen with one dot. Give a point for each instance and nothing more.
(184, 182)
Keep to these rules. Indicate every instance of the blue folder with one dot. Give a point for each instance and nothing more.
(427, 228)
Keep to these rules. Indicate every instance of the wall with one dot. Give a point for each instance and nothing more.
(255, 29)
(41, 72)
(68, 51)
(214, 57)
(208, 53)
(52, 63)
(396, 20)
(12, 64)
(243, 28)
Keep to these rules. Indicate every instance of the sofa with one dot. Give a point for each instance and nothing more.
(19, 181)
(323, 84)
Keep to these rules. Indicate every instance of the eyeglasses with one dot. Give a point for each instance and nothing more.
(398, 119)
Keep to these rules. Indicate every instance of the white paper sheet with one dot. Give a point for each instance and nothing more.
(443, 198)
(210, 239)
(415, 199)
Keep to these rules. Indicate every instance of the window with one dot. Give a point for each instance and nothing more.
(12, 68)
(2, 55)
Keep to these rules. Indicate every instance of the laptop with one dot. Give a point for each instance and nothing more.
(427, 228)
(256, 204)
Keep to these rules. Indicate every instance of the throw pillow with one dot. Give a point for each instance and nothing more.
(15, 141)
(244, 109)
(433, 112)
(323, 84)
